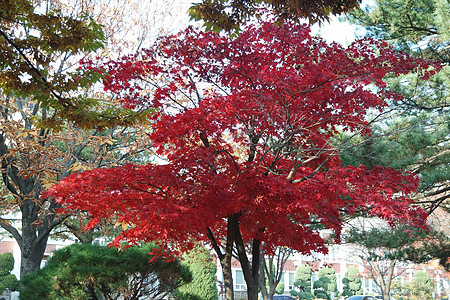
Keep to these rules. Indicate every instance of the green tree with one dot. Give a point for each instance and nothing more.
(421, 286)
(203, 285)
(7, 280)
(82, 271)
(302, 283)
(414, 134)
(39, 87)
(417, 138)
(279, 290)
(352, 282)
(383, 247)
(326, 286)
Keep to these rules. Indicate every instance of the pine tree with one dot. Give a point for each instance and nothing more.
(326, 286)
(352, 282)
(417, 138)
(415, 133)
(203, 284)
(302, 283)
(7, 280)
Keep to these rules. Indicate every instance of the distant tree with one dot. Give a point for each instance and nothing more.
(203, 285)
(82, 271)
(421, 286)
(7, 280)
(271, 270)
(326, 286)
(352, 282)
(302, 283)
(381, 248)
(279, 290)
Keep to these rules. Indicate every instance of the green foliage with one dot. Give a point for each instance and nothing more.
(400, 243)
(352, 282)
(229, 15)
(92, 272)
(7, 280)
(33, 41)
(6, 263)
(302, 283)
(280, 288)
(405, 23)
(326, 285)
(417, 139)
(421, 287)
(203, 284)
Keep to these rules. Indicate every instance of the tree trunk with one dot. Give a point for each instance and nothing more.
(227, 277)
(226, 255)
(32, 252)
(34, 239)
(382, 276)
(249, 269)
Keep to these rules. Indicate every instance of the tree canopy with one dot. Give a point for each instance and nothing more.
(246, 128)
(229, 15)
(416, 138)
(325, 287)
(352, 282)
(203, 285)
(35, 33)
(302, 283)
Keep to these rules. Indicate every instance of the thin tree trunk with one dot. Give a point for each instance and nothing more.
(226, 255)
(227, 277)
(250, 269)
(383, 279)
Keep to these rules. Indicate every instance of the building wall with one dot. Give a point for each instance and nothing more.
(340, 258)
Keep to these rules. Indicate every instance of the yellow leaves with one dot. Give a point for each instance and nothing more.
(46, 184)
(123, 224)
(79, 167)
(27, 134)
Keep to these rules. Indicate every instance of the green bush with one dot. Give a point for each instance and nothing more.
(83, 271)
(352, 282)
(7, 280)
(203, 285)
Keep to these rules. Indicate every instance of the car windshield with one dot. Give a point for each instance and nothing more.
(361, 297)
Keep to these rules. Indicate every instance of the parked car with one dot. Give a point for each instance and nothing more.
(282, 297)
(361, 297)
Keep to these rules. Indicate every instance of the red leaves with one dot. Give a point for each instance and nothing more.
(246, 126)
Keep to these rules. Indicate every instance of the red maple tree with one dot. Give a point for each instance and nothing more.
(246, 129)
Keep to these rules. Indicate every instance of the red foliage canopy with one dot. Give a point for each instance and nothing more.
(246, 127)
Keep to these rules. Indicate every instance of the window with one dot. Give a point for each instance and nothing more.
(239, 283)
(291, 281)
